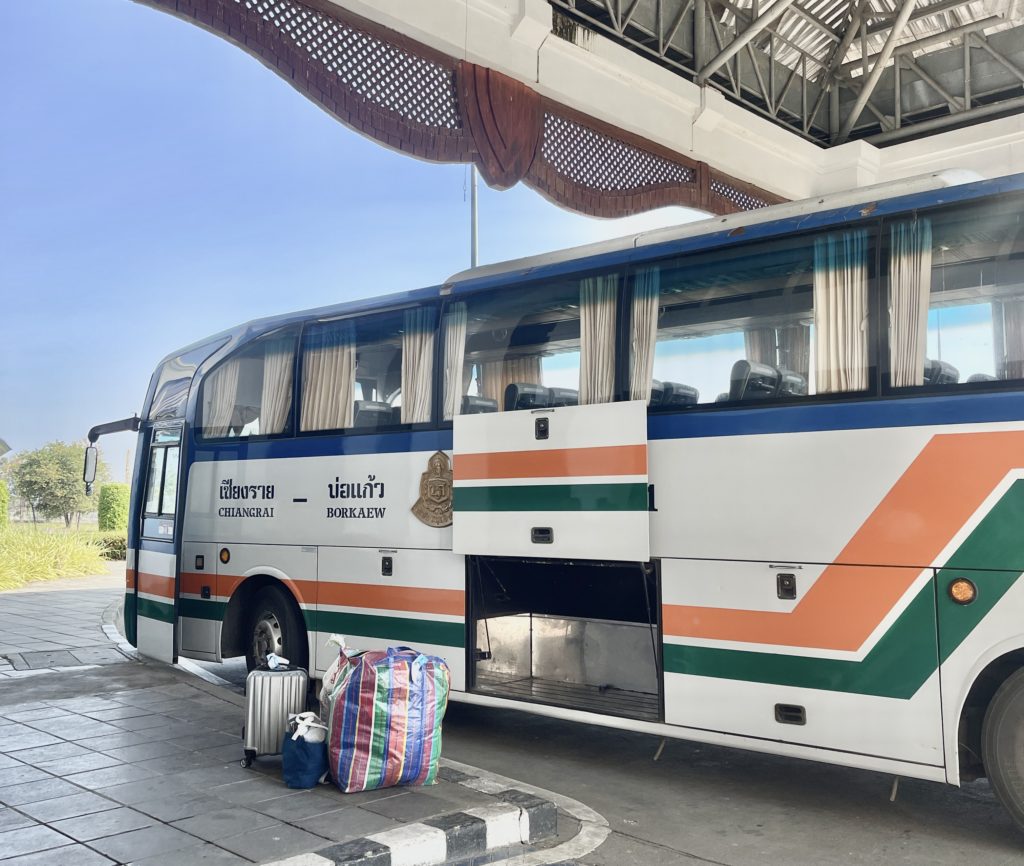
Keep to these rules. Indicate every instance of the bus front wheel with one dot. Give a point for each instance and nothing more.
(275, 626)
(1002, 743)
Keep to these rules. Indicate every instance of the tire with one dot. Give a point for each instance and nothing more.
(275, 625)
(1002, 745)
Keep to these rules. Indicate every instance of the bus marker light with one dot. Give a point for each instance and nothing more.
(225, 555)
(963, 591)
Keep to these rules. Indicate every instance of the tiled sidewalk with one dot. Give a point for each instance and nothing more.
(119, 760)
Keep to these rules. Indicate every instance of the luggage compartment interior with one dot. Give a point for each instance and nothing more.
(584, 635)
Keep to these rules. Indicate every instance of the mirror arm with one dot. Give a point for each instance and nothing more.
(114, 427)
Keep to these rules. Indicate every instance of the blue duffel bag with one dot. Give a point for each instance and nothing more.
(304, 751)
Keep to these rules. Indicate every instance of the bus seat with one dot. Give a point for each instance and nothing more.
(677, 395)
(657, 390)
(940, 373)
(372, 413)
(563, 397)
(524, 395)
(723, 397)
(981, 377)
(791, 384)
(478, 405)
(752, 381)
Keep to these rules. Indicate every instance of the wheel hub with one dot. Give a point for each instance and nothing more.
(267, 637)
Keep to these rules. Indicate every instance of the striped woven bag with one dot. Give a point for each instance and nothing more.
(385, 719)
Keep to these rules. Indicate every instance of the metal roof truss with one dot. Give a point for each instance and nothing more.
(831, 70)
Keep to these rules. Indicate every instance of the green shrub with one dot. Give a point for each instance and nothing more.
(4, 504)
(114, 545)
(113, 507)
(28, 553)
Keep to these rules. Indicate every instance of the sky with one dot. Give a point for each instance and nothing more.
(157, 185)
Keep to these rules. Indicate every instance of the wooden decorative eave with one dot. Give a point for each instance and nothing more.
(419, 101)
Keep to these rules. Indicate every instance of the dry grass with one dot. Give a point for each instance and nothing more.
(28, 553)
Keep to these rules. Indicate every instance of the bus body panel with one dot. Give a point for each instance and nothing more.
(156, 576)
(392, 597)
(575, 474)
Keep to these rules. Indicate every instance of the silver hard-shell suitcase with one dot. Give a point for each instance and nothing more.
(270, 697)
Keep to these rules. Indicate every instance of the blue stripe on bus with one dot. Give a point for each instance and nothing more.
(976, 408)
(325, 446)
(973, 408)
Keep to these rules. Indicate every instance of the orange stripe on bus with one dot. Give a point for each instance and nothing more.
(947, 482)
(156, 584)
(553, 463)
(407, 598)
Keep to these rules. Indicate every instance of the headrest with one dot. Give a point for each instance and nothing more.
(478, 405)
(752, 381)
(676, 395)
(372, 413)
(940, 373)
(524, 395)
(563, 397)
(981, 377)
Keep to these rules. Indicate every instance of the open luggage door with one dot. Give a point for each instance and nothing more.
(564, 482)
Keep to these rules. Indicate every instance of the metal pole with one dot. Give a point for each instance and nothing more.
(474, 236)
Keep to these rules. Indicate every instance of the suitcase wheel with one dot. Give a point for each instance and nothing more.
(247, 759)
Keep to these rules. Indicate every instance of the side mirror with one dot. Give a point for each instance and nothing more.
(89, 471)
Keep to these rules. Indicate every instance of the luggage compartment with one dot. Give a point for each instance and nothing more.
(579, 634)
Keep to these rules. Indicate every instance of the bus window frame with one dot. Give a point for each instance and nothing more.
(292, 423)
(960, 389)
(152, 446)
(438, 306)
(875, 304)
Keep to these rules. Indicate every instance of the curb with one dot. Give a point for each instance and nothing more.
(522, 819)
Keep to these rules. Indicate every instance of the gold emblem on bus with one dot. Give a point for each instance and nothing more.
(434, 507)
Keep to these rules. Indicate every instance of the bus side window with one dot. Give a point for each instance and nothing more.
(368, 372)
(250, 393)
(956, 297)
(777, 320)
(545, 345)
(162, 482)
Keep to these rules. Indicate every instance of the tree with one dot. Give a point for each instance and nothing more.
(4, 504)
(50, 480)
(113, 507)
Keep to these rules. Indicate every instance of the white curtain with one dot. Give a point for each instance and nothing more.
(1008, 324)
(910, 283)
(495, 376)
(328, 378)
(795, 348)
(597, 338)
(841, 312)
(759, 345)
(417, 365)
(644, 332)
(276, 399)
(455, 379)
(220, 393)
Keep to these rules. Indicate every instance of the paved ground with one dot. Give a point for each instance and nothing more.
(148, 754)
(106, 759)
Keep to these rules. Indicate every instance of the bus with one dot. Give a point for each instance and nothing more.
(756, 481)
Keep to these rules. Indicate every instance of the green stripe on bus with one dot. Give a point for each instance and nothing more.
(985, 548)
(198, 608)
(896, 667)
(394, 628)
(907, 654)
(552, 497)
(155, 610)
